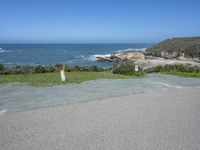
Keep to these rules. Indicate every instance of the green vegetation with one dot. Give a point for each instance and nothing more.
(183, 74)
(126, 70)
(49, 75)
(190, 47)
(177, 69)
(46, 79)
(46, 69)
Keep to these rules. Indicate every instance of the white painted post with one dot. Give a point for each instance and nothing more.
(62, 74)
(136, 68)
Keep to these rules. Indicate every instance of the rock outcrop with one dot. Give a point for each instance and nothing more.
(171, 51)
(123, 56)
(177, 48)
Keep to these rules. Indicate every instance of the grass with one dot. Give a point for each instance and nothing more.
(183, 74)
(47, 79)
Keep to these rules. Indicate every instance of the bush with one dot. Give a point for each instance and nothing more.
(94, 68)
(46, 69)
(157, 69)
(7, 71)
(181, 68)
(39, 69)
(175, 67)
(21, 70)
(50, 68)
(124, 69)
(2, 67)
(76, 68)
(58, 66)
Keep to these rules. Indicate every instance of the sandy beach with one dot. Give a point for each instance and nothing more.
(169, 119)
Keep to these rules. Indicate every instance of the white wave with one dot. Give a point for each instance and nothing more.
(106, 55)
(79, 56)
(4, 51)
(94, 57)
(8, 51)
(8, 63)
(132, 49)
(19, 50)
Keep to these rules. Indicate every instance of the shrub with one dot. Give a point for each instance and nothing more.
(76, 68)
(2, 67)
(21, 70)
(181, 68)
(124, 69)
(58, 66)
(39, 69)
(87, 69)
(7, 71)
(50, 68)
(157, 69)
(175, 67)
(94, 68)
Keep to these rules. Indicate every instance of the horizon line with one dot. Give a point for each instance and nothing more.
(76, 43)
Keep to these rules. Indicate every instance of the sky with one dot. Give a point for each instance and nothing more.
(97, 21)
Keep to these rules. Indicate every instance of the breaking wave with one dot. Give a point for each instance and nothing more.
(132, 49)
(7, 51)
(2, 51)
(94, 57)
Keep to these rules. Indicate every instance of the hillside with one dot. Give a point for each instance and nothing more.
(180, 48)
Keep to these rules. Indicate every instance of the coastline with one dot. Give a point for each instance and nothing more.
(155, 120)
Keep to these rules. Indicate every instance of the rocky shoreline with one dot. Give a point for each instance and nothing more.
(185, 51)
(145, 61)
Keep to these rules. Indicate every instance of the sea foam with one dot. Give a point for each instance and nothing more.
(7, 51)
(94, 57)
(4, 51)
(131, 49)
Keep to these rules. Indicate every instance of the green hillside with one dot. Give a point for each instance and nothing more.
(175, 47)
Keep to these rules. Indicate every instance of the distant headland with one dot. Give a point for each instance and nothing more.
(171, 51)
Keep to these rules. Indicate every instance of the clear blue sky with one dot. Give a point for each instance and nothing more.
(97, 21)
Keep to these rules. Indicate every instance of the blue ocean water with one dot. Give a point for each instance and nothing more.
(70, 54)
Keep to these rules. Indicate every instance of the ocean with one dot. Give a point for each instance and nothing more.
(69, 54)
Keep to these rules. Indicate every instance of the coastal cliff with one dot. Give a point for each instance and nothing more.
(179, 48)
(171, 51)
(123, 56)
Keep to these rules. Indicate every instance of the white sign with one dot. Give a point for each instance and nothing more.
(136, 68)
